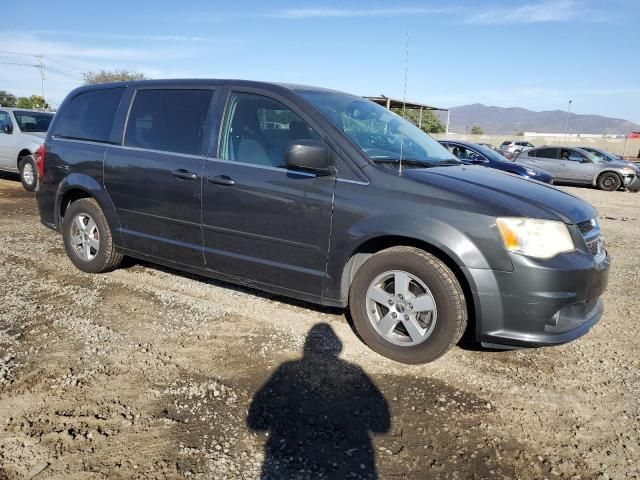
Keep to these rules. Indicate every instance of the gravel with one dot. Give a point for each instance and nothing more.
(147, 372)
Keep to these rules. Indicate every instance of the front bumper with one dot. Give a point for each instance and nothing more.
(539, 303)
(633, 185)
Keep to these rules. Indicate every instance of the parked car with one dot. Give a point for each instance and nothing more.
(612, 158)
(344, 204)
(509, 146)
(21, 133)
(577, 166)
(473, 153)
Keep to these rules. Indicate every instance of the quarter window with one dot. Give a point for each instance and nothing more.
(89, 115)
(258, 130)
(169, 120)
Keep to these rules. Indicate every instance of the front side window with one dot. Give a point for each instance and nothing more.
(33, 121)
(89, 115)
(258, 130)
(169, 120)
(381, 134)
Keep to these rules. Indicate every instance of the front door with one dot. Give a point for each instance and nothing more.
(7, 141)
(261, 221)
(579, 168)
(155, 178)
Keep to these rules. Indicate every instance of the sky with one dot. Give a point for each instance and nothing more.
(524, 53)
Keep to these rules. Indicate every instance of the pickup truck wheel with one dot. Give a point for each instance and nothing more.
(28, 173)
(407, 305)
(87, 238)
(609, 182)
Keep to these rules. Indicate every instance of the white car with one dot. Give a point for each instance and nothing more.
(22, 131)
(515, 147)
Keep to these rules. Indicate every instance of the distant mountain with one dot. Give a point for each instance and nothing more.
(499, 120)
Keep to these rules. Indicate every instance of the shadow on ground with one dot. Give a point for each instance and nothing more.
(320, 412)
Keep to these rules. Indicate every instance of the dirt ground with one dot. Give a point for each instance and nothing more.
(150, 373)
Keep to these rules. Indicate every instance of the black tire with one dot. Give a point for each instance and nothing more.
(106, 258)
(28, 163)
(609, 182)
(446, 292)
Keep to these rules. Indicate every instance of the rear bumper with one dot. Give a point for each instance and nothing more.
(540, 303)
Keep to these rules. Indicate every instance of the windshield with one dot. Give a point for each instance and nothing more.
(33, 121)
(381, 135)
(602, 155)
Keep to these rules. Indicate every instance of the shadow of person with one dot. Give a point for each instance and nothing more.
(319, 412)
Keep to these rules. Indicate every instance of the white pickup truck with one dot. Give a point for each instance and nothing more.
(22, 131)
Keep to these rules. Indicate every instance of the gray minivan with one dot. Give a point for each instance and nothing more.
(325, 197)
(578, 166)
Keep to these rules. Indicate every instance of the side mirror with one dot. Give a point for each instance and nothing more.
(6, 128)
(308, 155)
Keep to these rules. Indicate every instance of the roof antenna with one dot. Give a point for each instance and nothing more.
(404, 102)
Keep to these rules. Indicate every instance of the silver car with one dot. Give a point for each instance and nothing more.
(22, 131)
(577, 166)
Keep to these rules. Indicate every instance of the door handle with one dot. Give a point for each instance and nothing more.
(221, 180)
(184, 174)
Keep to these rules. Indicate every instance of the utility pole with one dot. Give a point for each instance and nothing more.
(566, 127)
(40, 67)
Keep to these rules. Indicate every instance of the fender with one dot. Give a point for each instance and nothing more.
(80, 181)
(453, 243)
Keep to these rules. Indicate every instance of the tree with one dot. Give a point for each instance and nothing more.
(476, 130)
(106, 76)
(7, 99)
(34, 101)
(430, 122)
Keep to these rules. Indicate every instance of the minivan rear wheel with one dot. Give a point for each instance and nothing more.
(28, 173)
(609, 182)
(407, 305)
(87, 237)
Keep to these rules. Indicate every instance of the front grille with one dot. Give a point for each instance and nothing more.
(593, 248)
(585, 227)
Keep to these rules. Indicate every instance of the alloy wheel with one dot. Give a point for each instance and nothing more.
(401, 308)
(85, 237)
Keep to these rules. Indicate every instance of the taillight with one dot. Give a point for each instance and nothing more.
(41, 152)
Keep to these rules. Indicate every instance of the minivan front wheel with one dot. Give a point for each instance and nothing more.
(28, 173)
(407, 305)
(87, 237)
(609, 182)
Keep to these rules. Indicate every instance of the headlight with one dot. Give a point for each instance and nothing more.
(534, 237)
(628, 171)
(531, 173)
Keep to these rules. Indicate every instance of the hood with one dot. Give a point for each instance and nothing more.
(533, 168)
(35, 135)
(508, 193)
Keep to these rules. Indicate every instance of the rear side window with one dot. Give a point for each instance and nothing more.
(547, 153)
(89, 115)
(169, 120)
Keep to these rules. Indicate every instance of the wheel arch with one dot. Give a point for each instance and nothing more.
(77, 186)
(23, 153)
(597, 176)
(373, 245)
